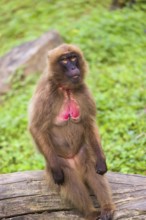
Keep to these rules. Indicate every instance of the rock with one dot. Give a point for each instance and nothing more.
(31, 56)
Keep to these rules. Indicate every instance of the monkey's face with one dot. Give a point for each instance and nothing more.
(67, 65)
(70, 65)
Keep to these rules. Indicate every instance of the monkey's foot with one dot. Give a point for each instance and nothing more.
(93, 215)
(107, 214)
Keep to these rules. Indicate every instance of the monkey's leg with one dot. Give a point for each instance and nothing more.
(76, 192)
(101, 189)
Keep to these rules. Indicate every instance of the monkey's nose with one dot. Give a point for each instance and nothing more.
(101, 172)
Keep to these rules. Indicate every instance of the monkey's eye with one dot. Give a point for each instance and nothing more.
(73, 59)
(64, 61)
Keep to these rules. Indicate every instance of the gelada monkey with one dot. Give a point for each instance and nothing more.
(62, 123)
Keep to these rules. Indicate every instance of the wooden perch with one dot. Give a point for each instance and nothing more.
(26, 196)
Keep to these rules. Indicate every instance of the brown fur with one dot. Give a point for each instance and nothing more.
(72, 150)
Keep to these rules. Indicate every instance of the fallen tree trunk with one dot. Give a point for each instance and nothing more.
(26, 196)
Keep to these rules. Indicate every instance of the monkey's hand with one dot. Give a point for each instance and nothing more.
(101, 166)
(58, 176)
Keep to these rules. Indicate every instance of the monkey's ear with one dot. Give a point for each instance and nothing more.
(49, 53)
(52, 51)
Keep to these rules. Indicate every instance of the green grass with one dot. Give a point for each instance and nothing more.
(114, 45)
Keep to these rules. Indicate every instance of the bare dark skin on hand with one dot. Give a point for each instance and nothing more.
(62, 123)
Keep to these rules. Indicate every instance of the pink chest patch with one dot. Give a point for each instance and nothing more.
(70, 108)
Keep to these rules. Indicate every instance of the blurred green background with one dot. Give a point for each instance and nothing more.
(114, 44)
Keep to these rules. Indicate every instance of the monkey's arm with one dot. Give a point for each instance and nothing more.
(95, 143)
(39, 123)
(92, 132)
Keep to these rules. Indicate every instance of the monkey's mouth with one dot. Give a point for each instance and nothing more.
(75, 78)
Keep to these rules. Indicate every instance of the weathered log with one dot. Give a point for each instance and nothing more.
(30, 56)
(26, 196)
